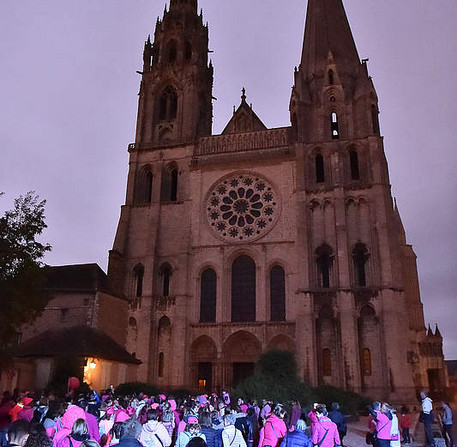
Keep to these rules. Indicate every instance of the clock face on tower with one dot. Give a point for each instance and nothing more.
(242, 207)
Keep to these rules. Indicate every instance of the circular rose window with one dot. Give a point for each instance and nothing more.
(242, 208)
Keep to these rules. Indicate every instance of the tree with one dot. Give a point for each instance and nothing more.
(275, 379)
(22, 274)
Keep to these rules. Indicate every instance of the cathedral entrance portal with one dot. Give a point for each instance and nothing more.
(205, 376)
(241, 352)
(203, 354)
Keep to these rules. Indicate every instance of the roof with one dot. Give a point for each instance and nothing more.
(81, 341)
(244, 119)
(77, 278)
(327, 30)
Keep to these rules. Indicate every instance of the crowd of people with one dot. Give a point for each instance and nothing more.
(205, 420)
(387, 429)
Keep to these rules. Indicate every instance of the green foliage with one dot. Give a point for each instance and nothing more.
(129, 388)
(182, 393)
(349, 401)
(275, 379)
(280, 365)
(21, 272)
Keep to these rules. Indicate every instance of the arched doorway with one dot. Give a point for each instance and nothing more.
(241, 351)
(203, 355)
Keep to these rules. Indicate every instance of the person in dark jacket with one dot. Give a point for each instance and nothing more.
(297, 437)
(338, 418)
(253, 437)
(130, 432)
(18, 432)
(213, 436)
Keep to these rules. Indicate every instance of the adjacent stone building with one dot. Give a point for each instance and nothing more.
(84, 325)
(232, 244)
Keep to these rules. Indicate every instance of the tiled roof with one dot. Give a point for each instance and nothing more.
(79, 341)
(78, 278)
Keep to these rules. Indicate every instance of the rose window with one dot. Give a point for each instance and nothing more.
(242, 208)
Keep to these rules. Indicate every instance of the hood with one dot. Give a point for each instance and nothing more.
(74, 412)
(151, 426)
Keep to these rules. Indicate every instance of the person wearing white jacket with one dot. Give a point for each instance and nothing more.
(154, 433)
(231, 436)
(394, 431)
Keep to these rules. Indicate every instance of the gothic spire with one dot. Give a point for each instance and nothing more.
(327, 31)
(183, 4)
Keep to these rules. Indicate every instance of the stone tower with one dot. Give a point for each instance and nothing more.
(286, 238)
(175, 95)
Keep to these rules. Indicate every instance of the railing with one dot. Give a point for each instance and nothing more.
(249, 141)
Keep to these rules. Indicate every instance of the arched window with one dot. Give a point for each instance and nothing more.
(360, 257)
(324, 263)
(320, 171)
(169, 190)
(161, 364)
(330, 77)
(277, 294)
(243, 289)
(294, 127)
(326, 362)
(366, 362)
(164, 326)
(354, 163)
(375, 119)
(334, 126)
(208, 291)
(172, 51)
(143, 193)
(168, 104)
(166, 276)
(138, 273)
(149, 179)
(174, 185)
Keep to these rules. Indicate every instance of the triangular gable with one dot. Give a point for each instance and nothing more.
(244, 119)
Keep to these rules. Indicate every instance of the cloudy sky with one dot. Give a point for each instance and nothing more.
(68, 96)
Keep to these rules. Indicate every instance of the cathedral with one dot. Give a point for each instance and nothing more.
(255, 239)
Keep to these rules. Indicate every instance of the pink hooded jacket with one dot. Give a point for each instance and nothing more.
(312, 416)
(61, 439)
(383, 425)
(272, 432)
(321, 427)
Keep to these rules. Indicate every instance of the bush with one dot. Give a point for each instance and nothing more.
(275, 379)
(350, 402)
(182, 393)
(129, 388)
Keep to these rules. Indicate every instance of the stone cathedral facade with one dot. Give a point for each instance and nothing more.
(255, 239)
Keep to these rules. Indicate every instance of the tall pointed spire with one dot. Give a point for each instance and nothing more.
(180, 4)
(327, 30)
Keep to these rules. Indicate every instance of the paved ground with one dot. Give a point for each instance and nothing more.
(357, 431)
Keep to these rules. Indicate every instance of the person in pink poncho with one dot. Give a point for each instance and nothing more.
(325, 431)
(68, 419)
(79, 434)
(274, 430)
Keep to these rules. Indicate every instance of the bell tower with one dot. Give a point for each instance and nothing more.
(333, 97)
(176, 88)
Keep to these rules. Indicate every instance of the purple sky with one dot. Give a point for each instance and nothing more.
(68, 96)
